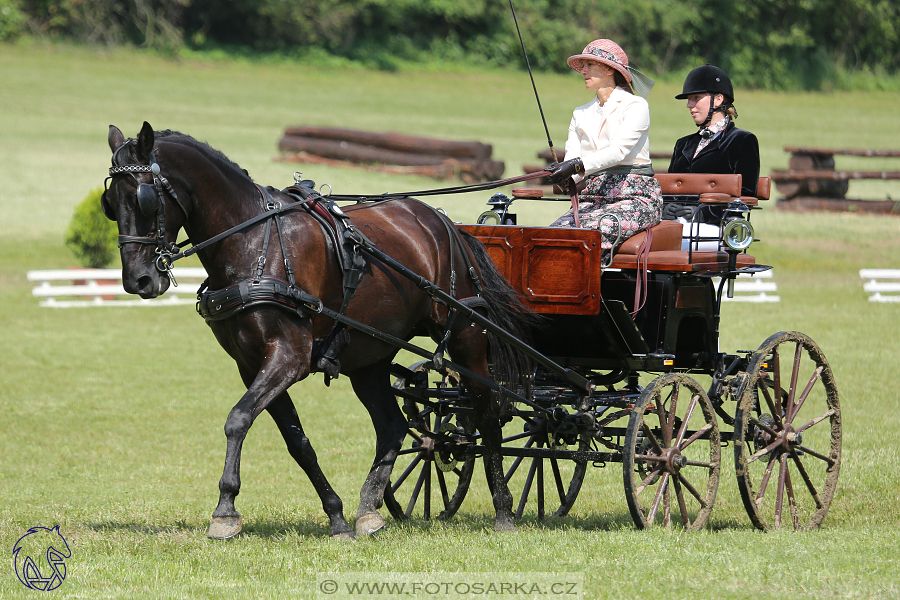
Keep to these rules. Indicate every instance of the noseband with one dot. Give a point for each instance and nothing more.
(151, 200)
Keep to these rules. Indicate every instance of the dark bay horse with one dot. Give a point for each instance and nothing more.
(206, 194)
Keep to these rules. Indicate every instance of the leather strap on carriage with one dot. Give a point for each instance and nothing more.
(640, 285)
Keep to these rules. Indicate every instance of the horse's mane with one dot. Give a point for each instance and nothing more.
(216, 155)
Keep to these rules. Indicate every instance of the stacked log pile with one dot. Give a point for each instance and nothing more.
(391, 152)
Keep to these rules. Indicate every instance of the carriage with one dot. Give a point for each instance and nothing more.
(652, 312)
(298, 285)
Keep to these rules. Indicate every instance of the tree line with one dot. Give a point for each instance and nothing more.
(808, 44)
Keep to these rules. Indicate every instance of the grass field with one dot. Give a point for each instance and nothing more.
(112, 418)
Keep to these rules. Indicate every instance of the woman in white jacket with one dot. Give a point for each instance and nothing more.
(608, 149)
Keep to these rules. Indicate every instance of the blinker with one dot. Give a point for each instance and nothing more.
(107, 209)
(148, 202)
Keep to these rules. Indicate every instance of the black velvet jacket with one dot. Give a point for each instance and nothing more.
(732, 151)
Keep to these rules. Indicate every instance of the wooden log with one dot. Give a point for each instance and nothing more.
(832, 175)
(850, 152)
(443, 171)
(396, 142)
(841, 205)
(360, 153)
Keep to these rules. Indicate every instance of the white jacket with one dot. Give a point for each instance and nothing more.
(616, 133)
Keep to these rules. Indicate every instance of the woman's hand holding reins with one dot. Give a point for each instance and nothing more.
(560, 172)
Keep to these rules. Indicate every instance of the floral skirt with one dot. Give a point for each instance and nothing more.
(635, 199)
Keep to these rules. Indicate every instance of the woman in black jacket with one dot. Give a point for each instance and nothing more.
(718, 146)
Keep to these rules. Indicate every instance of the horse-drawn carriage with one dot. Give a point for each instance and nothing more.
(653, 312)
(297, 285)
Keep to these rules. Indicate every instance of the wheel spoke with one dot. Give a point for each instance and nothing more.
(811, 452)
(791, 500)
(406, 473)
(776, 413)
(669, 422)
(806, 479)
(427, 472)
(692, 490)
(653, 474)
(442, 482)
(687, 418)
(779, 497)
(651, 516)
(650, 436)
(515, 466)
(682, 505)
(523, 499)
(776, 367)
(696, 436)
(764, 451)
(815, 421)
(765, 480)
(812, 381)
(540, 488)
(667, 507)
(795, 373)
(557, 477)
(415, 494)
(700, 463)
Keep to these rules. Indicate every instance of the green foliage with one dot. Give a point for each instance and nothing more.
(812, 45)
(91, 236)
(11, 20)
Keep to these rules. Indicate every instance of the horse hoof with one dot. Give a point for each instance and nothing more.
(369, 523)
(222, 528)
(345, 536)
(504, 526)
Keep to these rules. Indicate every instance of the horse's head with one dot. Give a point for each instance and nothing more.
(137, 199)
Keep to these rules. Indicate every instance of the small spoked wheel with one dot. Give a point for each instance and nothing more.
(432, 473)
(672, 455)
(788, 434)
(547, 484)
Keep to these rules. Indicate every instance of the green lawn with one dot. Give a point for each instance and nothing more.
(113, 418)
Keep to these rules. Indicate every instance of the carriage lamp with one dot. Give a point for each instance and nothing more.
(738, 234)
(498, 213)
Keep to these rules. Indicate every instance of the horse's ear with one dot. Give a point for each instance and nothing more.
(116, 138)
(145, 142)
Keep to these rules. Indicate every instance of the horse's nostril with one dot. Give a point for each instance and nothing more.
(145, 283)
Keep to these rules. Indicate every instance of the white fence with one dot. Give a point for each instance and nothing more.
(881, 290)
(67, 288)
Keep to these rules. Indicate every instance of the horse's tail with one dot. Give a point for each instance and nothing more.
(510, 366)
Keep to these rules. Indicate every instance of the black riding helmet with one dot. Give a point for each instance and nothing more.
(711, 80)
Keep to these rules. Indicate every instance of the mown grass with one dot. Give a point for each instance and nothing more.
(112, 418)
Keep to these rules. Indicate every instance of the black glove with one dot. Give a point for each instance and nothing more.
(673, 210)
(559, 172)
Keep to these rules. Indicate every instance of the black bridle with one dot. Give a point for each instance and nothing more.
(151, 201)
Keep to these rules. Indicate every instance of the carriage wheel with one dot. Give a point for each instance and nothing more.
(550, 485)
(787, 446)
(431, 472)
(672, 455)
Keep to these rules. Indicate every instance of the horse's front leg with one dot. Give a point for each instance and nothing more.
(265, 382)
(372, 386)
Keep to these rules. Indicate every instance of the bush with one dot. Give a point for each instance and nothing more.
(11, 20)
(91, 236)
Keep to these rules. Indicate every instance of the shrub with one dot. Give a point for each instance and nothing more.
(91, 236)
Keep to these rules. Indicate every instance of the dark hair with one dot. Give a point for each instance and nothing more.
(620, 80)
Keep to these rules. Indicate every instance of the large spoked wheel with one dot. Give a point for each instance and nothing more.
(546, 484)
(788, 434)
(432, 472)
(672, 455)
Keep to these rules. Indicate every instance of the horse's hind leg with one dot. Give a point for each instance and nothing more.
(372, 386)
(285, 415)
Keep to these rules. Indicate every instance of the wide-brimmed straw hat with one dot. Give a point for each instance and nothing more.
(607, 52)
(611, 54)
